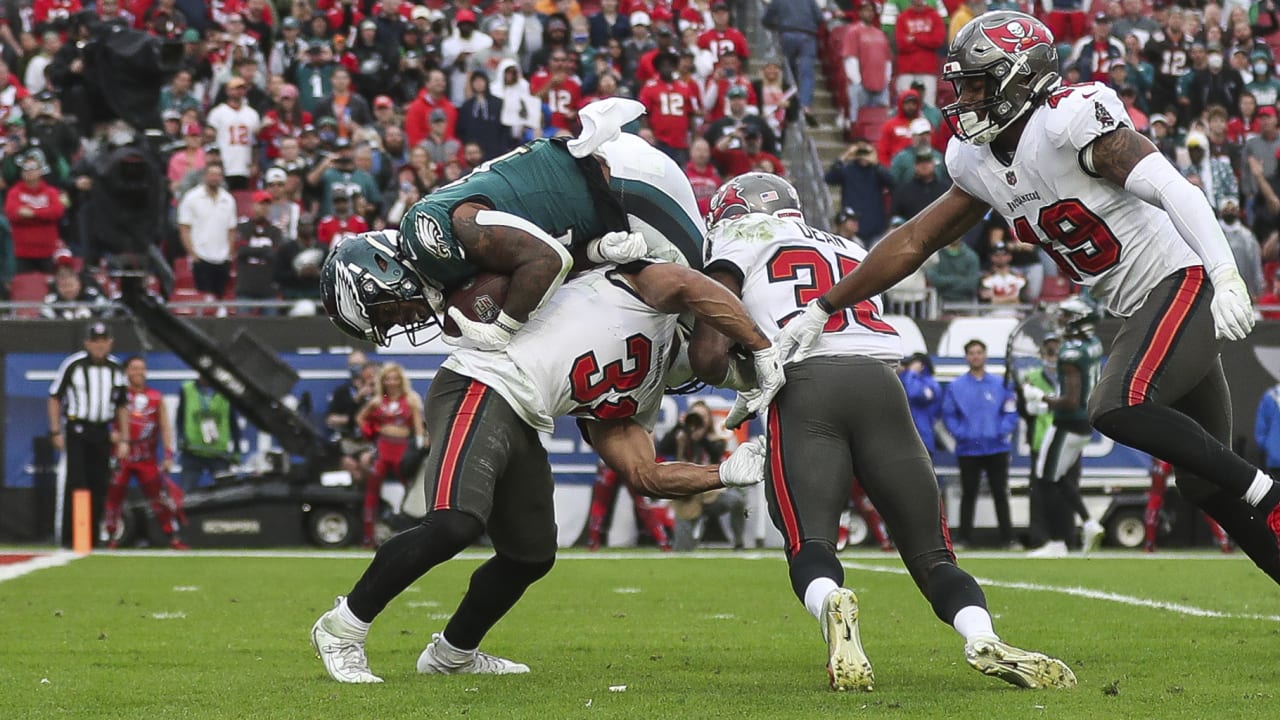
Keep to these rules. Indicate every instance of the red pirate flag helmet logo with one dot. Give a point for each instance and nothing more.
(1018, 35)
(727, 202)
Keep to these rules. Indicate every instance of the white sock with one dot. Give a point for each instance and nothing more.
(974, 623)
(1258, 489)
(453, 650)
(816, 595)
(357, 626)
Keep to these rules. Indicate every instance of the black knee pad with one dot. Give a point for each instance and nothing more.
(452, 531)
(951, 589)
(524, 571)
(816, 558)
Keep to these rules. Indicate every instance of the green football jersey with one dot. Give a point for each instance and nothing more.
(539, 181)
(1085, 354)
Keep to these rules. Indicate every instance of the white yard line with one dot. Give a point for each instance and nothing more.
(1180, 608)
(10, 571)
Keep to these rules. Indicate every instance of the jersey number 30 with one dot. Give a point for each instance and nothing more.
(1091, 247)
(791, 263)
(589, 382)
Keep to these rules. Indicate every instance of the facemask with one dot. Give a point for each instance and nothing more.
(1260, 68)
(1215, 62)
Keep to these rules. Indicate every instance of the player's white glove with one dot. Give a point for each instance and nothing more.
(769, 375)
(435, 299)
(483, 336)
(1232, 310)
(801, 333)
(617, 247)
(1033, 398)
(745, 466)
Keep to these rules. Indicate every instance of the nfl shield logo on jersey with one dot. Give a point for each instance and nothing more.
(1010, 178)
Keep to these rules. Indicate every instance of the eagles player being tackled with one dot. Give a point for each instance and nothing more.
(842, 413)
(1063, 167)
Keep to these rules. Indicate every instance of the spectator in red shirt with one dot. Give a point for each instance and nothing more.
(34, 208)
(1270, 300)
(645, 69)
(416, 125)
(671, 107)
(344, 17)
(868, 62)
(722, 38)
(919, 33)
(343, 221)
(896, 132)
(559, 90)
(703, 176)
(47, 11)
(740, 152)
(728, 75)
(286, 119)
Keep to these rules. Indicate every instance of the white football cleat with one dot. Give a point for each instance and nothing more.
(847, 664)
(343, 655)
(1092, 535)
(1051, 549)
(1023, 668)
(441, 658)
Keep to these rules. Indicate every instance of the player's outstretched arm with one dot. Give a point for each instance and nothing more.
(627, 448)
(673, 288)
(1130, 160)
(504, 243)
(709, 350)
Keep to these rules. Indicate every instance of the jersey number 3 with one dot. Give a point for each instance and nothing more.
(589, 382)
(1091, 247)
(788, 265)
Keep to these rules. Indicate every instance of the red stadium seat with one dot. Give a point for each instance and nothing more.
(1056, 288)
(244, 202)
(182, 275)
(869, 121)
(187, 295)
(28, 287)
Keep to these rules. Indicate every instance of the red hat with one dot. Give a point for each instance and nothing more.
(383, 101)
(62, 257)
(464, 15)
(262, 196)
(1268, 110)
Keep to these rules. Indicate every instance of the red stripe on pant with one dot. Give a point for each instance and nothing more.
(786, 507)
(1168, 327)
(946, 528)
(459, 433)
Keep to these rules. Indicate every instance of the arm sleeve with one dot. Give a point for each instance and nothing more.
(1159, 183)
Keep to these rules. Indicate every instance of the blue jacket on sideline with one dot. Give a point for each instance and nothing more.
(925, 398)
(1266, 428)
(981, 415)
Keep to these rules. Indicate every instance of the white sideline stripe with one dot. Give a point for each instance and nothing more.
(1087, 593)
(16, 570)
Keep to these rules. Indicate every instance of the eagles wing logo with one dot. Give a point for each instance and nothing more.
(430, 236)
(1018, 35)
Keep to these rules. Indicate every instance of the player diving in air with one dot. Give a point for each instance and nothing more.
(1066, 171)
(842, 412)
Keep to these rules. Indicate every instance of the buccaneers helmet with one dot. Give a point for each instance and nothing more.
(1016, 56)
(367, 289)
(754, 192)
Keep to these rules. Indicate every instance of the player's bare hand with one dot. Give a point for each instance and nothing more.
(483, 336)
(59, 441)
(745, 465)
(801, 333)
(122, 450)
(1231, 307)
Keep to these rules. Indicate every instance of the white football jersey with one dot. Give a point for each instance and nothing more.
(783, 264)
(237, 131)
(1098, 233)
(595, 350)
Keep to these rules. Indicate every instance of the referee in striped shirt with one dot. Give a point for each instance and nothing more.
(87, 394)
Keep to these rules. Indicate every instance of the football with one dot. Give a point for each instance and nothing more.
(480, 299)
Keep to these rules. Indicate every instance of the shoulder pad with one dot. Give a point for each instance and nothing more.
(1079, 114)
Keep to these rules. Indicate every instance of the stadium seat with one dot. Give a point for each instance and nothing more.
(912, 339)
(994, 331)
(244, 202)
(1056, 288)
(28, 287)
(187, 295)
(182, 274)
(869, 121)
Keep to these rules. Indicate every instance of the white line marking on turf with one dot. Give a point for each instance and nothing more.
(169, 615)
(627, 590)
(18, 569)
(186, 588)
(1087, 593)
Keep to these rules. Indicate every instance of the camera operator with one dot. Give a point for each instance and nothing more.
(695, 440)
(54, 135)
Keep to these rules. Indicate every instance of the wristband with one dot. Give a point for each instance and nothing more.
(824, 305)
(508, 323)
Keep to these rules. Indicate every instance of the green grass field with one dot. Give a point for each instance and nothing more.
(714, 636)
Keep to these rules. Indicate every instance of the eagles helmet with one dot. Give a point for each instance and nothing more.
(1015, 54)
(1077, 316)
(367, 289)
(754, 192)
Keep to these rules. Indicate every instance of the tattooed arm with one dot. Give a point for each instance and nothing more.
(503, 243)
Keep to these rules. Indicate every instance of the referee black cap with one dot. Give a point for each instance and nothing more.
(97, 331)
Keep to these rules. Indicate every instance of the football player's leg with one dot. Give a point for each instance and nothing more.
(808, 475)
(658, 199)
(467, 422)
(1209, 403)
(152, 488)
(523, 530)
(1164, 351)
(115, 501)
